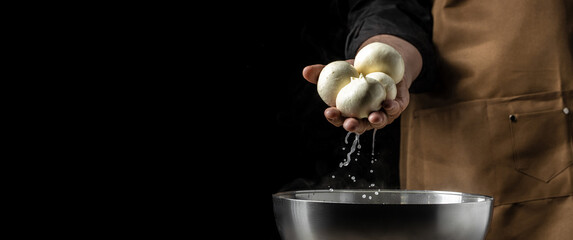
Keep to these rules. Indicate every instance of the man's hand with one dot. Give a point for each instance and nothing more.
(391, 109)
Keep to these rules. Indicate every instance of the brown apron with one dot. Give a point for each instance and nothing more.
(500, 122)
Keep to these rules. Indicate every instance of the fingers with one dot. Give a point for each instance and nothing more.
(334, 116)
(311, 73)
(392, 109)
(378, 119)
(357, 125)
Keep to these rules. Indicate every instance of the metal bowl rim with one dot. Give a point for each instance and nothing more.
(283, 195)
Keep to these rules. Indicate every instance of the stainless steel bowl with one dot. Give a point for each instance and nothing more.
(381, 214)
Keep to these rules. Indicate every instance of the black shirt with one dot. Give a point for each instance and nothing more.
(410, 20)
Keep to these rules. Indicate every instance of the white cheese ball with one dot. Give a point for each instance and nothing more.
(332, 78)
(380, 57)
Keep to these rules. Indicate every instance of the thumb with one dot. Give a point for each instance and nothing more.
(311, 73)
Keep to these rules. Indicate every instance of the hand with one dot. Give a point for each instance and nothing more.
(391, 109)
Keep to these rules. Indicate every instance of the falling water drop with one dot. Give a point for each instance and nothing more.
(346, 138)
(352, 148)
(373, 140)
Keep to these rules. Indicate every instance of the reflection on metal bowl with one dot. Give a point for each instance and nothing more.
(381, 214)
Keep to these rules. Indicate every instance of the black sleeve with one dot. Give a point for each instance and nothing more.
(410, 20)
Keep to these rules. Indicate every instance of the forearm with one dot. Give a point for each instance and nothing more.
(412, 57)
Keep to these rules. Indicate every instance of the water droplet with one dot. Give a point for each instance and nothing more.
(371, 171)
(346, 138)
(330, 189)
(373, 140)
(363, 195)
(369, 197)
(376, 193)
(333, 176)
(353, 147)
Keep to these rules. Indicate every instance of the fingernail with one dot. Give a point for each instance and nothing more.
(330, 115)
(375, 119)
